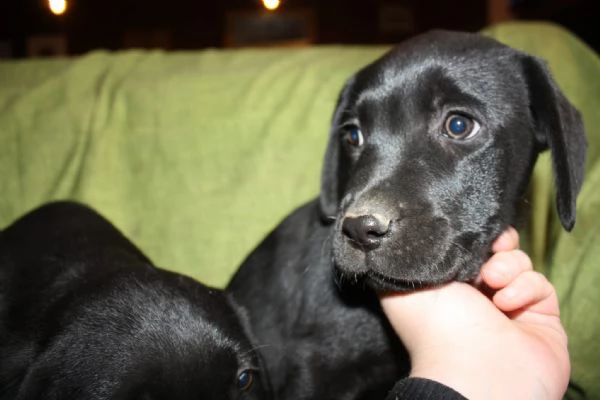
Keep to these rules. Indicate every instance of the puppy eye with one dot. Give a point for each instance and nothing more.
(460, 127)
(354, 136)
(245, 380)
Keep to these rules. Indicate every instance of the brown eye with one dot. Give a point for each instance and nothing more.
(354, 136)
(460, 127)
(245, 380)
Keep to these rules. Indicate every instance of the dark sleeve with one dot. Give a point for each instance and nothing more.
(422, 389)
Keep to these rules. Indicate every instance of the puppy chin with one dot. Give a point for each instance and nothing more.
(389, 269)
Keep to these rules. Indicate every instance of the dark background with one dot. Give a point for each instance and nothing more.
(196, 24)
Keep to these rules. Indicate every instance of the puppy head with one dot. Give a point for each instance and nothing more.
(430, 153)
(149, 338)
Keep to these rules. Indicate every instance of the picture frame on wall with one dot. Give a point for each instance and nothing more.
(264, 28)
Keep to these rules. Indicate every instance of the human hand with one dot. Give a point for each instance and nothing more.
(510, 345)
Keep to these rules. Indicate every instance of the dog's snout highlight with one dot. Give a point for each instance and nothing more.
(366, 231)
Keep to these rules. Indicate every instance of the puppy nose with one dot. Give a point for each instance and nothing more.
(366, 230)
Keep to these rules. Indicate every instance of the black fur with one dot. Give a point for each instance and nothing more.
(84, 315)
(407, 207)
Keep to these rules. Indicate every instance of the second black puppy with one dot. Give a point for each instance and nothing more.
(430, 153)
(84, 315)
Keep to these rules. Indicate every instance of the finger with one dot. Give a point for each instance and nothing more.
(504, 267)
(508, 240)
(530, 290)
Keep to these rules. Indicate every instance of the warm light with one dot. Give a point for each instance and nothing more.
(58, 7)
(271, 4)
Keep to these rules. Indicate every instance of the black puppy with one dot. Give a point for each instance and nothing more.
(430, 153)
(85, 315)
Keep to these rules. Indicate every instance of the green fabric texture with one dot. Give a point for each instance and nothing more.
(196, 156)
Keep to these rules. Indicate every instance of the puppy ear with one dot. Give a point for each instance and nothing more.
(558, 126)
(334, 173)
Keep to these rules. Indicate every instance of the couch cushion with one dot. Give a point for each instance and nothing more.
(195, 156)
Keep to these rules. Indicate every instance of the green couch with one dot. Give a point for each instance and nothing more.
(196, 156)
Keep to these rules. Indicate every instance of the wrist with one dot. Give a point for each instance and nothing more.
(474, 371)
(462, 375)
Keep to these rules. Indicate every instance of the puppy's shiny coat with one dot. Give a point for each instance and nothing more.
(430, 153)
(84, 315)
